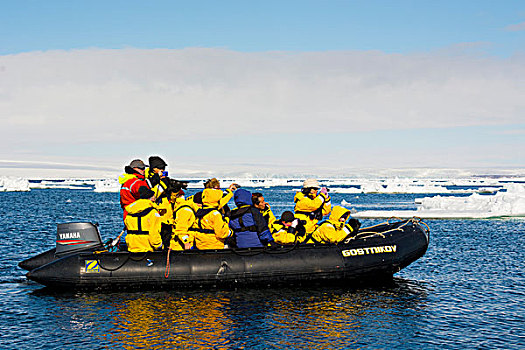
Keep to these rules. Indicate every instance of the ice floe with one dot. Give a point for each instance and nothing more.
(14, 184)
(507, 203)
(69, 184)
(107, 185)
(397, 185)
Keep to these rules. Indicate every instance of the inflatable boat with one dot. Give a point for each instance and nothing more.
(80, 261)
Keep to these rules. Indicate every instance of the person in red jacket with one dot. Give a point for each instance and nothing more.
(131, 181)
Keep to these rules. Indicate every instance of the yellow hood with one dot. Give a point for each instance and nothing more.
(337, 212)
(211, 198)
(187, 202)
(125, 177)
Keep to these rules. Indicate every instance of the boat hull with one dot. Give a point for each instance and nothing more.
(38, 260)
(368, 258)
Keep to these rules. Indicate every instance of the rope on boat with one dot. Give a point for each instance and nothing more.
(115, 269)
(368, 234)
(167, 272)
(270, 251)
(128, 257)
(418, 220)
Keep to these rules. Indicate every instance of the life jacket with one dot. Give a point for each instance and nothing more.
(249, 227)
(143, 224)
(182, 222)
(237, 214)
(310, 239)
(199, 215)
(139, 216)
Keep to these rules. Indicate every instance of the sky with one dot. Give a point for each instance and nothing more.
(261, 88)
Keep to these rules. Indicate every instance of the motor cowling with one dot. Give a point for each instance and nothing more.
(74, 237)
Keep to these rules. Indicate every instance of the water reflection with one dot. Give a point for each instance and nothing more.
(168, 321)
(254, 318)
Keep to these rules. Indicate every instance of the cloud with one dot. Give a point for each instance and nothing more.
(58, 99)
(515, 27)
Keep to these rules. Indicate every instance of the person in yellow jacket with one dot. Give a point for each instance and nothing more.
(333, 230)
(143, 223)
(227, 195)
(210, 228)
(311, 206)
(156, 175)
(285, 230)
(183, 220)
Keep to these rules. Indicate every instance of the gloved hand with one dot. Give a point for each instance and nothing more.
(295, 223)
(165, 182)
(324, 191)
(301, 231)
(154, 180)
(354, 224)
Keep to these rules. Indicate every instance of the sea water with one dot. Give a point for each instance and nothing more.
(468, 291)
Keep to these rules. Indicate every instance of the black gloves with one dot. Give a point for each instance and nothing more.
(354, 224)
(154, 180)
(165, 182)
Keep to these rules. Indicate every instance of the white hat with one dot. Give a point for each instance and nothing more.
(311, 183)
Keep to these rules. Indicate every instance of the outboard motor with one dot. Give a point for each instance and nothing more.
(77, 236)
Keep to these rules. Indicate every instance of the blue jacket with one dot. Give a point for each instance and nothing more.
(247, 222)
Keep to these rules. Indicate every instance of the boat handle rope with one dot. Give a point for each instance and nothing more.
(295, 244)
(115, 269)
(128, 257)
(168, 266)
(223, 268)
(418, 220)
(268, 251)
(369, 234)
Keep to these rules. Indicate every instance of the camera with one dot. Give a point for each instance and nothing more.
(176, 185)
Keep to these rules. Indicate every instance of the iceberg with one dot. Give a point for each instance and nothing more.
(107, 185)
(69, 184)
(14, 184)
(509, 202)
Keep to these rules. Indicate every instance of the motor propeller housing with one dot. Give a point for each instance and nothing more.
(75, 237)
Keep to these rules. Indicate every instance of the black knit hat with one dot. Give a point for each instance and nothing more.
(145, 193)
(157, 162)
(287, 216)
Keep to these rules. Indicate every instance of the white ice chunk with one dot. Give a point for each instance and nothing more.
(345, 190)
(69, 184)
(107, 185)
(13, 184)
(503, 204)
